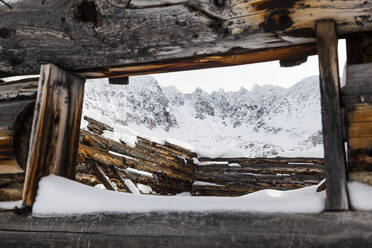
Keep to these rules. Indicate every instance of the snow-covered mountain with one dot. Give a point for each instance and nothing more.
(265, 121)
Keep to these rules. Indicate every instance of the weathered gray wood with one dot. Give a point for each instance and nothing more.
(25, 89)
(103, 178)
(358, 109)
(269, 168)
(55, 129)
(334, 151)
(97, 126)
(164, 35)
(121, 179)
(247, 178)
(337, 230)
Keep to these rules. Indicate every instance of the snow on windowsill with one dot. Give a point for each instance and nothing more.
(8, 205)
(59, 196)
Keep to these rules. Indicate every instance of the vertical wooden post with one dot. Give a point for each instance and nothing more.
(55, 128)
(334, 151)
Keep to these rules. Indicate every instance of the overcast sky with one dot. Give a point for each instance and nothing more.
(233, 77)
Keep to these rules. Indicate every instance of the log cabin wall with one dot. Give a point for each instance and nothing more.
(16, 110)
(357, 98)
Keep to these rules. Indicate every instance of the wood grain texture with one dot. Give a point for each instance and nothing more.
(106, 34)
(121, 178)
(55, 129)
(334, 151)
(226, 229)
(266, 168)
(358, 101)
(101, 175)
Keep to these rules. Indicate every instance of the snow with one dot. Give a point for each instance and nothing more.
(10, 204)
(234, 165)
(197, 162)
(144, 188)
(267, 121)
(139, 172)
(122, 134)
(182, 144)
(59, 196)
(121, 155)
(100, 186)
(360, 196)
(202, 183)
(133, 189)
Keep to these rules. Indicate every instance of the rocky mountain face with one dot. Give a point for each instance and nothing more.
(265, 121)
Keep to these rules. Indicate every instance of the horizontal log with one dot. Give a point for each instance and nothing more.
(164, 32)
(6, 179)
(86, 154)
(11, 193)
(163, 152)
(24, 89)
(298, 160)
(11, 186)
(9, 166)
(163, 148)
(97, 126)
(248, 178)
(191, 229)
(270, 168)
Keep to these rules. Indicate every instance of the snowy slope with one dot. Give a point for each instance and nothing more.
(265, 121)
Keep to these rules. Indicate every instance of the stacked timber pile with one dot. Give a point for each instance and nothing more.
(239, 176)
(166, 168)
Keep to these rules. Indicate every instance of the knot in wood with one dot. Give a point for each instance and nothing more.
(219, 3)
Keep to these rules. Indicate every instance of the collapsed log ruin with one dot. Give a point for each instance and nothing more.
(166, 168)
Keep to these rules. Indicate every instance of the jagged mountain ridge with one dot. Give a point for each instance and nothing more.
(247, 123)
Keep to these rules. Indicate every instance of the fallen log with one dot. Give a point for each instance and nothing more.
(127, 183)
(90, 138)
(266, 168)
(178, 152)
(97, 126)
(164, 153)
(248, 178)
(103, 178)
(87, 154)
(11, 186)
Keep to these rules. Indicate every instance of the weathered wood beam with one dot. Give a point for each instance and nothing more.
(192, 230)
(126, 182)
(334, 151)
(97, 126)
(278, 168)
(55, 129)
(101, 175)
(358, 108)
(136, 37)
(358, 101)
